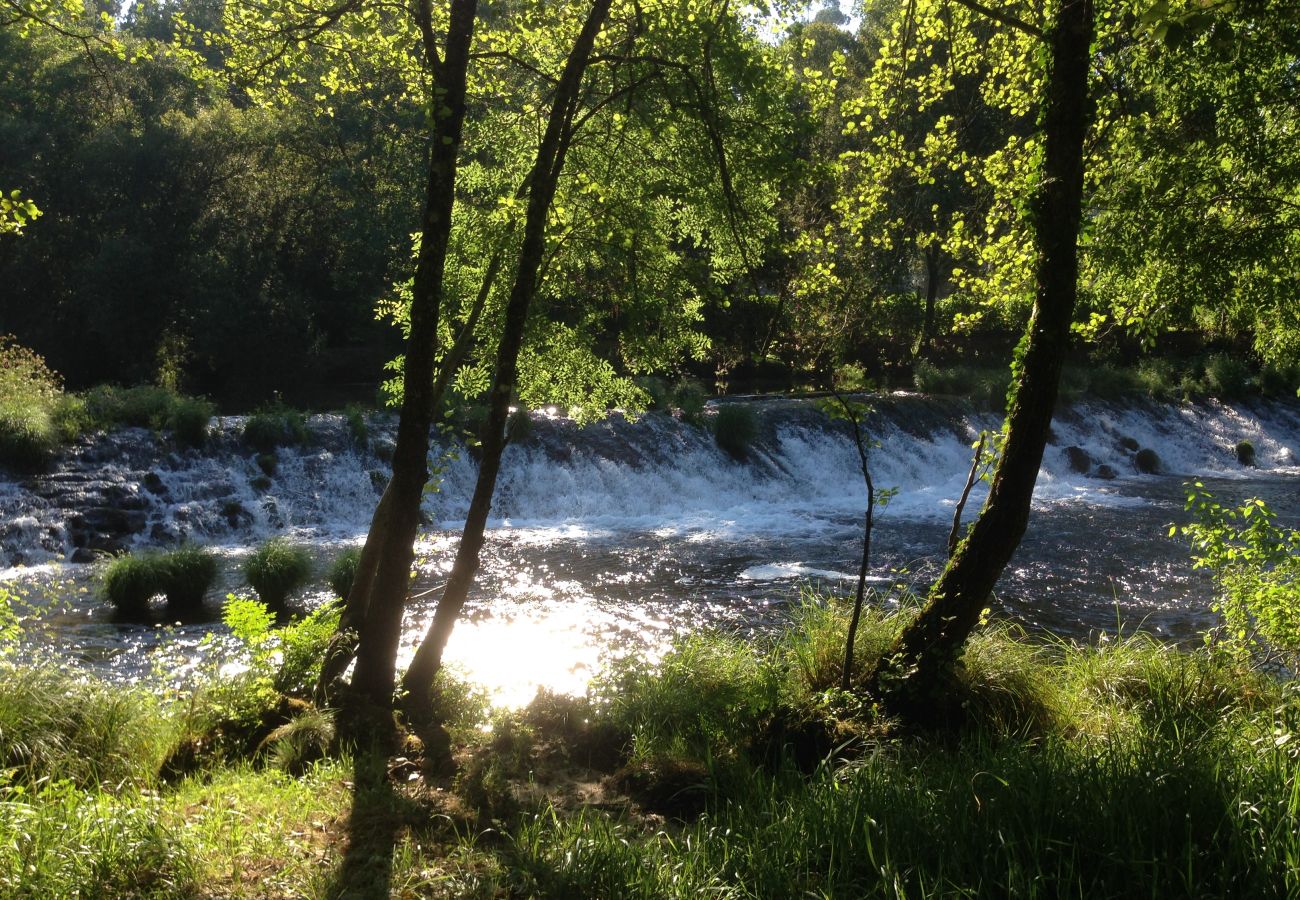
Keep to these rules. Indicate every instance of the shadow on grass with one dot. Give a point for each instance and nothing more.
(378, 814)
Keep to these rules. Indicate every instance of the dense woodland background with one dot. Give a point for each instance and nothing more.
(235, 240)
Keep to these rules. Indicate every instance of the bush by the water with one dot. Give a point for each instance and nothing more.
(183, 576)
(129, 582)
(985, 387)
(148, 406)
(31, 396)
(735, 428)
(187, 574)
(276, 569)
(690, 399)
(275, 426)
(343, 571)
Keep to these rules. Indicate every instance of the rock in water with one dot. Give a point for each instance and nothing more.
(1246, 453)
(1078, 459)
(1147, 461)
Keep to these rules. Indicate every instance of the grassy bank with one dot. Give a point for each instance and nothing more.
(733, 769)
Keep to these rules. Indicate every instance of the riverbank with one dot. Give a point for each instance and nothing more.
(732, 768)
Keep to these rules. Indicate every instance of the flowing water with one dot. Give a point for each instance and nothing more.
(620, 536)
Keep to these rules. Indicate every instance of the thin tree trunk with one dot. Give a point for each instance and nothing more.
(931, 296)
(418, 680)
(909, 678)
(373, 615)
(854, 417)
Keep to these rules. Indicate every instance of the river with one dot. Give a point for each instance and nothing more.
(619, 537)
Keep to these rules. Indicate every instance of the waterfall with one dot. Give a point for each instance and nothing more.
(132, 489)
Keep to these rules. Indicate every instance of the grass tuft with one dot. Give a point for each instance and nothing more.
(277, 569)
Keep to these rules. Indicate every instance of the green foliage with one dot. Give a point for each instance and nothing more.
(56, 725)
(1256, 567)
(57, 841)
(187, 573)
(146, 406)
(1227, 376)
(735, 428)
(689, 398)
(302, 648)
(354, 417)
(985, 387)
(343, 571)
(275, 426)
(276, 569)
(30, 394)
(299, 743)
(129, 582)
(16, 213)
(183, 576)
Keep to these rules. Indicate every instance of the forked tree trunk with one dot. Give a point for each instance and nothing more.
(372, 619)
(909, 679)
(542, 181)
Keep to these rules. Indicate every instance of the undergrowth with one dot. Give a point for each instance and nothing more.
(733, 767)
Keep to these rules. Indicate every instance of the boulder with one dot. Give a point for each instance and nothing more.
(1246, 453)
(1104, 472)
(1078, 459)
(1147, 461)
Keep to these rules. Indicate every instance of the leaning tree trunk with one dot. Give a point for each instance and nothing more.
(909, 678)
(371, 624)
(542, 181)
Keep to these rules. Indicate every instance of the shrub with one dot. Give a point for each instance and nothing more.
(29, 395)
(130, 581)
(187, 574)
(1279, 380)
(1113, 382)
(985, 387)
(277, 569)
(1159, 378)
(143, 406)
(343, 571)
(659, 393)
(1245, 453)
(689, 397)
(302, 649)
(1226, 376)
(354, 417)
(188, 420)
(1256, 567)
(734, 428)
(275, 426)
(519, 427)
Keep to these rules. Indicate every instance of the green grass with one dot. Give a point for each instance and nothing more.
(275, 426)
(147, 406)
(183, 576)
(735, 428)
(187, 574)
(1126, 768)
(128, 582)
(277, 569)
(343, 571)
(29, 395)
(986, 387)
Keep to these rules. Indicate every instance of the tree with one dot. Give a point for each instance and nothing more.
(909, 677)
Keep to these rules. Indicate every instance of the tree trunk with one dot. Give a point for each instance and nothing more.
(931, 295)
(373, 616)
(909, 678)
(542, 184)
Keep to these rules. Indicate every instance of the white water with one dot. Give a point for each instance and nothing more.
(625, 534)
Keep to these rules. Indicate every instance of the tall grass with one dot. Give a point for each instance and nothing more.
(57, 726)
(1124, 769)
